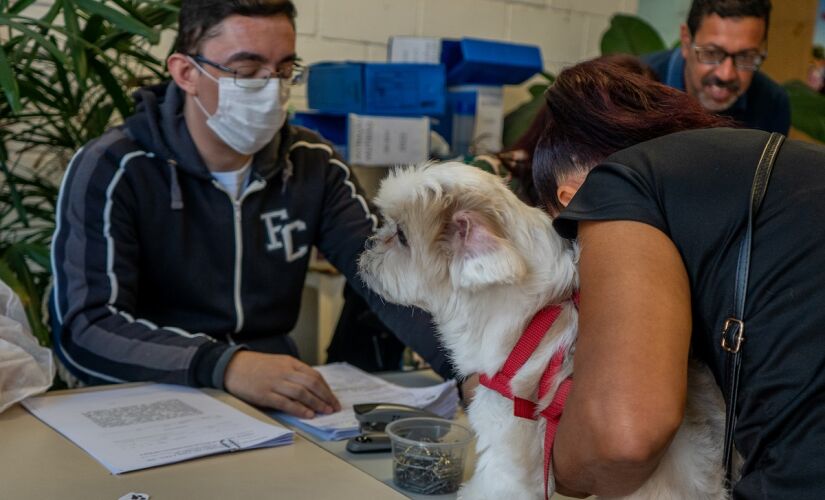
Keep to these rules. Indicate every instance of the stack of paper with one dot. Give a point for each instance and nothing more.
(353, 386)
(136, 427)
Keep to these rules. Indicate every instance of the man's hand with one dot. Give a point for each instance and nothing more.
(281, 382)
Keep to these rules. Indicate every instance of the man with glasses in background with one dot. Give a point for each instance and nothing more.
(183, 236)
(722, 47)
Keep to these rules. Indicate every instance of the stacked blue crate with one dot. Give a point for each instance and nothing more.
(394, 97)
(380, 89)
(477, 70)
(375, 113)
(488, 62)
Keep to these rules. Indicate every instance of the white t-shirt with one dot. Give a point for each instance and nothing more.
(235, 180)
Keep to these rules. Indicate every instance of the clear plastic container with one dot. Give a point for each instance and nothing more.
(428, 454)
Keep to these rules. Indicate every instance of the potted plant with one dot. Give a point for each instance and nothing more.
(66, 72)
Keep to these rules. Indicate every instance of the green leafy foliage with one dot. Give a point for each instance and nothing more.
(66, 71)
(807, 109)
(631, 35)
(518, 121)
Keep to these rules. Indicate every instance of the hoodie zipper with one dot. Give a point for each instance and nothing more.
(253, 186)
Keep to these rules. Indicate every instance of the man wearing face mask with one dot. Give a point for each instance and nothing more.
(183, 236)
(722, 46)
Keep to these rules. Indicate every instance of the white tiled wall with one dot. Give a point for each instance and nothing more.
(566, 30)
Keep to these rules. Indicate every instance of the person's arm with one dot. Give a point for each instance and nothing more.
(96, 276)
(630, 375)
(281, 382)
(348, 221)
(97, 273)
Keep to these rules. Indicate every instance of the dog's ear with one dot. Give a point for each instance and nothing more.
(480, 256)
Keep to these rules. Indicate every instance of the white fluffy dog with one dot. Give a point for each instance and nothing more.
(457, 243)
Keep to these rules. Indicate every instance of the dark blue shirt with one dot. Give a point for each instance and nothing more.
(763, 106)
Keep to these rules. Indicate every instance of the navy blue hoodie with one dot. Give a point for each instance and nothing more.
(160, 274)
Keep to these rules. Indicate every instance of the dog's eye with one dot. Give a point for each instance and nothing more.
(402, 238)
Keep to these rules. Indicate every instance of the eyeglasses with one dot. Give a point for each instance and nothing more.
(255, 75)
(746, 60)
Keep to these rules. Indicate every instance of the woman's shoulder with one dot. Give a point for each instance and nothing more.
(697, 142)
(700, 151)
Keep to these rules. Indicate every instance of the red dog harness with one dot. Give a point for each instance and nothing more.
(524, 408)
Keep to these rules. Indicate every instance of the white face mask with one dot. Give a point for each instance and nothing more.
(247, 119)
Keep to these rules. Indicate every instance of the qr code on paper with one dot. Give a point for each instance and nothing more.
(142, 413)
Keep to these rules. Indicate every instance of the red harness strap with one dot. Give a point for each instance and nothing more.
(524, 408)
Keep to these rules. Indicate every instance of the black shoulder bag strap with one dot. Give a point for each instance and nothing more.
(733, 331)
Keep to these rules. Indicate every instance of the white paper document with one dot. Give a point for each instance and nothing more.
(143, 426)
(353, 386)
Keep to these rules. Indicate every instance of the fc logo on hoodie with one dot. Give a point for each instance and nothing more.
(279, 234)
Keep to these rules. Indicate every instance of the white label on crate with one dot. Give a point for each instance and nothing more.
(388, 141)
(489, 126)
(414, 49)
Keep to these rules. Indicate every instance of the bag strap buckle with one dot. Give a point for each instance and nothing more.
(733, 334)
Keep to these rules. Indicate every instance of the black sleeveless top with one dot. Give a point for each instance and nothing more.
(695, 186)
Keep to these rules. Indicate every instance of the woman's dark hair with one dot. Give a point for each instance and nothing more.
(521, 165)
(198, 19)
(699, 9)
(599, 107)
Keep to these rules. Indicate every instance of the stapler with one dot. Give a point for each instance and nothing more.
(373, 418)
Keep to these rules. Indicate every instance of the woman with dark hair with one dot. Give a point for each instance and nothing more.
(514, 164)
(597, 108)
(659, 221)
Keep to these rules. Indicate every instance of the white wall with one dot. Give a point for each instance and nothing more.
(666, 16)
(566, 30)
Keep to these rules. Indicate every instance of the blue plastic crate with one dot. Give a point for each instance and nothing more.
(461, 126)
(332, 127)
(383, 89)
(487, 62)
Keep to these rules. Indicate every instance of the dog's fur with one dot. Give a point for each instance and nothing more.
(457, 243)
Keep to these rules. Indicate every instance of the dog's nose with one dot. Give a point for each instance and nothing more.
(370, 243)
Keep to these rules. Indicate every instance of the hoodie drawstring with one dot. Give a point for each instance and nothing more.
(174, 188)
(287, 173)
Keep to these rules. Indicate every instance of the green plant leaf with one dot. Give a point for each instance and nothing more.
(9, 83)
(151, 12)
(119, 19)
(36, 36)
(537, 89)
(37, 253)
(113, 88)
(807, 109)
(18, 7)
(630, 35)
(72, 40)
(14, 195)
(518, 121)
(93, 30)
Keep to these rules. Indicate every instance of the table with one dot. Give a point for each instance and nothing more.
(379, 465)
(38, 463)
